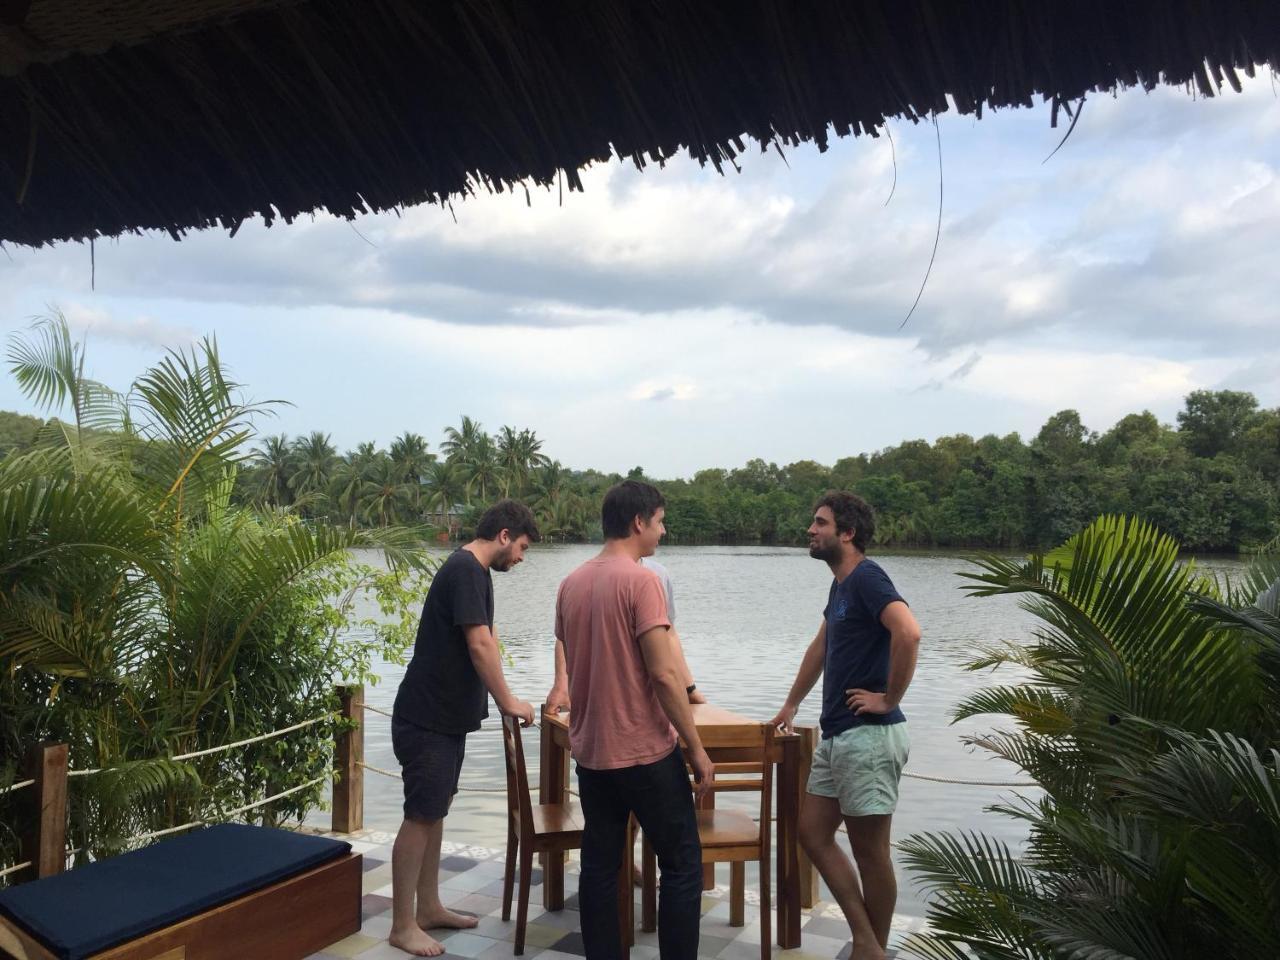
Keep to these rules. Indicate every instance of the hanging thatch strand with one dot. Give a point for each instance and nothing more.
(124, 115)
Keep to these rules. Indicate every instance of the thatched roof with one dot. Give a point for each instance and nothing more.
(119, 115)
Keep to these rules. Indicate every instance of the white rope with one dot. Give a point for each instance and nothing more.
(14, 787)
(973, 783)
(394, 775)
(231, 813)
(14, 869)
(229, 746)
(370, 706)
(385, 773)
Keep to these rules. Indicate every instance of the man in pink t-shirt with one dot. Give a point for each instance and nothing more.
(615, 664)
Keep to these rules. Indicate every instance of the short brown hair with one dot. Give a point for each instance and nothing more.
(852, 515)
(510, 515)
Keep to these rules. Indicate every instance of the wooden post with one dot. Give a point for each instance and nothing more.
(789, 916)
(553, 787)
(44, 842)
(808, 875)
(348, 777)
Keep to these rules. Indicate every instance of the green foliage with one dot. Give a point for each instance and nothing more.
(1213, 483)
(1147, 707)
(146, 615)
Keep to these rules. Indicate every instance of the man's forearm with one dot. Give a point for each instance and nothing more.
(902, 666)
(675, 704)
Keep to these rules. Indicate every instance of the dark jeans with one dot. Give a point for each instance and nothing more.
(658, 794)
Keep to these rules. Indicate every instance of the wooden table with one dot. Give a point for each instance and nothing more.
(721, 732)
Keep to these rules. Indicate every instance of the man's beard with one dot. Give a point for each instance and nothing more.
(826, 551)
(503, 561)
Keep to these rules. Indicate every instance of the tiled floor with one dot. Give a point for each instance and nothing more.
(471, 882)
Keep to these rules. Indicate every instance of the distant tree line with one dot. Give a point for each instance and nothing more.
(1212, 481)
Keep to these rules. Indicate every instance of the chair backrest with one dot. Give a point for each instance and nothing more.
(751, 749)
(519, 804)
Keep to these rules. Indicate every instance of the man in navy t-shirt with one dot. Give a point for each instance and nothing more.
(865, 652)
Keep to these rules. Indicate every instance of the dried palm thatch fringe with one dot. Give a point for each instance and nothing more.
(125, 115)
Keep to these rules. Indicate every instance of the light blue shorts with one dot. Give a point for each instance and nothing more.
(861, 768)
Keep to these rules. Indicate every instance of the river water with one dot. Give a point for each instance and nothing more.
(745, 615)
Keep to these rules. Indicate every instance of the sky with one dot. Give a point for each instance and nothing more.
(678, 319)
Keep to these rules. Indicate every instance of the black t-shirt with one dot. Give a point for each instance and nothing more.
(857, 646)
(441, 690)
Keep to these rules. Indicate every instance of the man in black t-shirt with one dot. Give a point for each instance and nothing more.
(865, 652)
(444, 695)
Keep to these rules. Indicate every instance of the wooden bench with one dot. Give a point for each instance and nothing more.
(229, 891)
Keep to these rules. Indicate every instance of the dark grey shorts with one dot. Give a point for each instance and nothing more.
(431, 764)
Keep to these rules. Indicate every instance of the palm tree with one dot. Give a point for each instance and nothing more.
(384, 492)
(446, 487)
(314, 458)
(364, 454)
(482, 468)
(1148, 711)
(518, 455)
(509, 462)
(549, 481)
(460, 444)
(409, 452)
(347, 484)
(274, 457)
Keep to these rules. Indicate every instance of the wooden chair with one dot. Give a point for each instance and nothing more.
(531, 828)
(730, 836)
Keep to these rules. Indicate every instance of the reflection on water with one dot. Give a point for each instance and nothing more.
(745, 615)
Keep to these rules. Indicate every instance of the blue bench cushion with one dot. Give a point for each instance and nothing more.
(80, 912)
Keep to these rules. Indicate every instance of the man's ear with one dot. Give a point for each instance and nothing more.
(504, 537)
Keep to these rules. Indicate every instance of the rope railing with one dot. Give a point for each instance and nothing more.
(13, 787)
(154, 834)
(15, 868)
(211, 750)
(972, 783)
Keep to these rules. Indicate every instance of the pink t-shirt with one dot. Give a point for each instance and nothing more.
(615, 719)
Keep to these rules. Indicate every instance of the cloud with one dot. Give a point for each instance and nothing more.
(142, 331)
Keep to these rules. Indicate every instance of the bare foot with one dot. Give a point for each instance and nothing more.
(446, 919)
(415, 941)
(866, 951)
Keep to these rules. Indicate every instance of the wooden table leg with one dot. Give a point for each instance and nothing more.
(553, 787)
(807, 876)
(789, 915)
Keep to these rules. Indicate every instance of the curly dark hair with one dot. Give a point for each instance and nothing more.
(852, 514)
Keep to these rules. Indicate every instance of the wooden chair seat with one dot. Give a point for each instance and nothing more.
(727, 828)
(557, 818)
(531, 828)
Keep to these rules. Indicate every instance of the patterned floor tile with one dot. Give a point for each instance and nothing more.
(371, 905)
(352, 946)
(471, 882)
(571, 943)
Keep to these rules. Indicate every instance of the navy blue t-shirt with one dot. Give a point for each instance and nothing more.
(857, 646)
